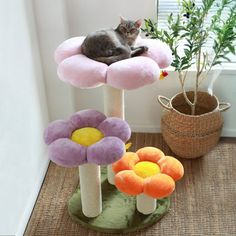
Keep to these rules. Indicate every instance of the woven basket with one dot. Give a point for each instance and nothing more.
(191, 136)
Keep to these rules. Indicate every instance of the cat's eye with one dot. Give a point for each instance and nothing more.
(123, 29)
(132, 31)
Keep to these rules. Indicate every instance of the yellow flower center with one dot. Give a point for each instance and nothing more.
(86, 136)
(146, 169)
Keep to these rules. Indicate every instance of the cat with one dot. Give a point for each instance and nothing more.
(112, 45)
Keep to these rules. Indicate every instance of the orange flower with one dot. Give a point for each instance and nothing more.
(147, 171)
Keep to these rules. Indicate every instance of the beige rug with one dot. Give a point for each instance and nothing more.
(204, 202)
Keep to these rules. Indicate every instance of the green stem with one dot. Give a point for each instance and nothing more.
(199, 71)
(182, 80)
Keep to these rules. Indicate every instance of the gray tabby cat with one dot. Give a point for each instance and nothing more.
(111, 45)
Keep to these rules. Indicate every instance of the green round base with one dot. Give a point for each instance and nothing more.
(119, 213)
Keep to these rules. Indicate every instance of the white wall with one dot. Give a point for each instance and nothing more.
(85, 16)
(23, 110)
(52, 29)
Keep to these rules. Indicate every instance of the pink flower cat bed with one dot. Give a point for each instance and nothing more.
(83, 72)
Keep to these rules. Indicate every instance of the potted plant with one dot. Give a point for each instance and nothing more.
(192, 124)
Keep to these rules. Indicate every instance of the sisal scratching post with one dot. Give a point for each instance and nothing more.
(146, 204)
(113, 107)
(90, 187)
(114, 102)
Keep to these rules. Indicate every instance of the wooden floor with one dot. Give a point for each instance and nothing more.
(204, 202)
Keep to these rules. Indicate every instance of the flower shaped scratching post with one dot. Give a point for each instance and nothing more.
(88, 139)
(147, 174)
(107, 136)
(128, 74)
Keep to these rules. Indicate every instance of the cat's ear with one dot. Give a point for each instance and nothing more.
(138, 23)
(122, 19)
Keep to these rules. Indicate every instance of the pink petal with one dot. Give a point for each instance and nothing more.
(132, 73)
(82, 72)
(68, 48)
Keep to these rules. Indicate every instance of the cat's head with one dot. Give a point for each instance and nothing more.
(129, 29)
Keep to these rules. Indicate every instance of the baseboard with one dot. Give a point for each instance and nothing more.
(145, 129)
(226, 132)
(32, 200)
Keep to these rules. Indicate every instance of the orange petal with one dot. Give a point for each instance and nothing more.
(172, 167)
(127, 162)
(150, 154)
(128, 182)
(159, 186)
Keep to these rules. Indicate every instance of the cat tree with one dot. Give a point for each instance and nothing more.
(82, 72)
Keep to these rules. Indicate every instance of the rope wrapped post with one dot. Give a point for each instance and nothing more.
(113, 107)
(146, 204)
(114, 102)
(91, 194)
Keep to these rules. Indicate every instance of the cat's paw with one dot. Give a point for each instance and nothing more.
(145, 48)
